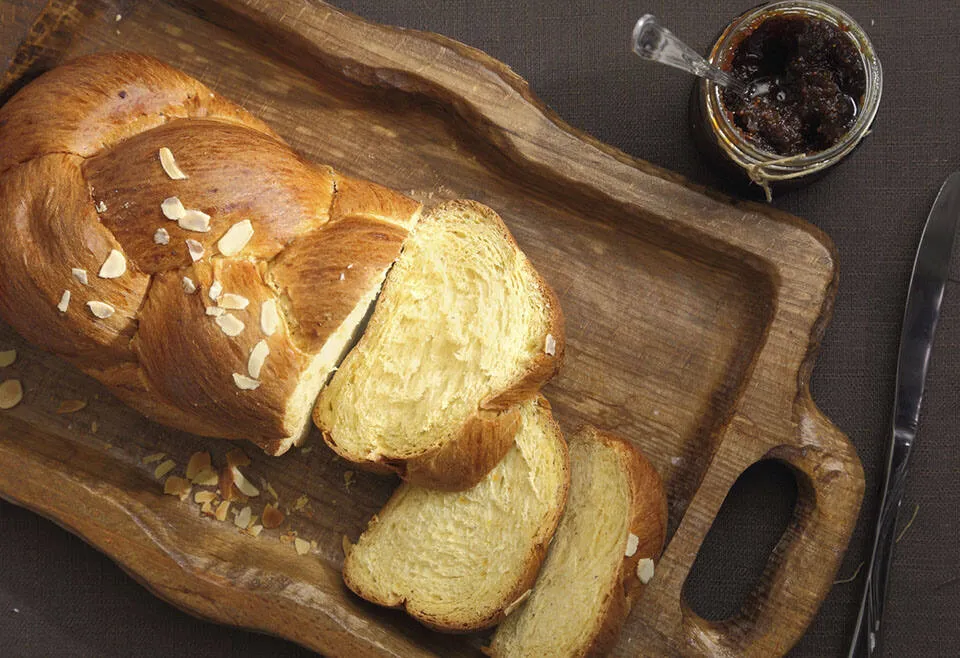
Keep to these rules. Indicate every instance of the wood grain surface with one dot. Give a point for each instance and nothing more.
(693, 323)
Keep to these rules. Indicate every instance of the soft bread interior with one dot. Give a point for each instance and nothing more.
(461, 317)
(300, 404)
(455, 559)
(573, 591)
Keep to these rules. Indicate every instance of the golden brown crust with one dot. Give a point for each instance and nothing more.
(648, 523)
(531, 565)
(462, 458)
(80, 176)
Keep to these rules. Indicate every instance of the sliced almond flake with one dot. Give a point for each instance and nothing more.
(272, 517)
(172, 208)
(164, 468)
(301, 502)
(206, 477)
(237, 457)
(206, 508)
(230, 324)
(177, 486)
(199, 461)
(269, 318)
(342, 276)
(233, 301)
(255, 530)
(196, 250)
(350, 266)
(215, 311)
(11, 393)
(258, 355)
(161, 236)
(633, 542)
(645, 570)
(202, 497)
(288, 537)
(114, 266)
(101, 207)
(71, 406)
(243, 518)
(301, 545)
(244, 485)
(236, 238)
(80, 275)
(169, 165)
(516, 604)
(189, 286)
(348, 479)
(155, 457)
(550, 345)
(64, 303)
(271, 491)
(195, 220)
(101, 310)
(94, 426)
(222, 509)
(216, 289)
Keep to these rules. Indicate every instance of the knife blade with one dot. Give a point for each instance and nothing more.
(931, 270)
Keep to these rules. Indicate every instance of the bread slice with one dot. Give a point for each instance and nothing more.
(464, 330)
(613, 526)
(456, 561)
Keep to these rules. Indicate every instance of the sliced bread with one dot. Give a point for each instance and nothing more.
(457, 561)
(464, 330)
(601, 556)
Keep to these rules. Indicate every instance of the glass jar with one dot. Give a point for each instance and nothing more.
(716, 133)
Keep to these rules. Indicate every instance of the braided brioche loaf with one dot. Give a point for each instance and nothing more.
(172, 246)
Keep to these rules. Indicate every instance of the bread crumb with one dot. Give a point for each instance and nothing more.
(222, 509)
(155, 457)
(177, 486)
(301, 503)
(164, 468)
(645, 570)
(199, 461)
(243, 517)
(302, 546)
(272, 517)
(71, 406)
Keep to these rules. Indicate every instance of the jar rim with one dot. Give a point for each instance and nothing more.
(776, 166)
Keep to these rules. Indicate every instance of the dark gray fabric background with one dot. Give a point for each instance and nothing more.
(59, 597)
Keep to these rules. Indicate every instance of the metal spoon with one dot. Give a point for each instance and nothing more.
(656, 43)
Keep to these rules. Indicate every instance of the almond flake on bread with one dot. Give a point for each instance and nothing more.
(589, 581)
(80, 275)
(236, 238)
(245, 383)
(230, 324)
(216, 289)
(441, 412)
(161, 236)
(169, 164)
(457, 561)
(195, 248)
(195, 220)
(101, 310)
(64, 302)
(233, 301)
(172, 208)
(258, 355)
(189, 286)
(114, 266)
(269, 317)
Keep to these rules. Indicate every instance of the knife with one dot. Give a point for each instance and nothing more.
(930, 272)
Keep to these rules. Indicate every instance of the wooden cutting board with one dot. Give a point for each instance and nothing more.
(693, 322)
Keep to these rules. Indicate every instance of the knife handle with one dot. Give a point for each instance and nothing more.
(866, 640)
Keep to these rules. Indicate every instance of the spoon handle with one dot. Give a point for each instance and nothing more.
(656, 43)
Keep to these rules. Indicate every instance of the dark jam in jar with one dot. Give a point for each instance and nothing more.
(806, 83)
